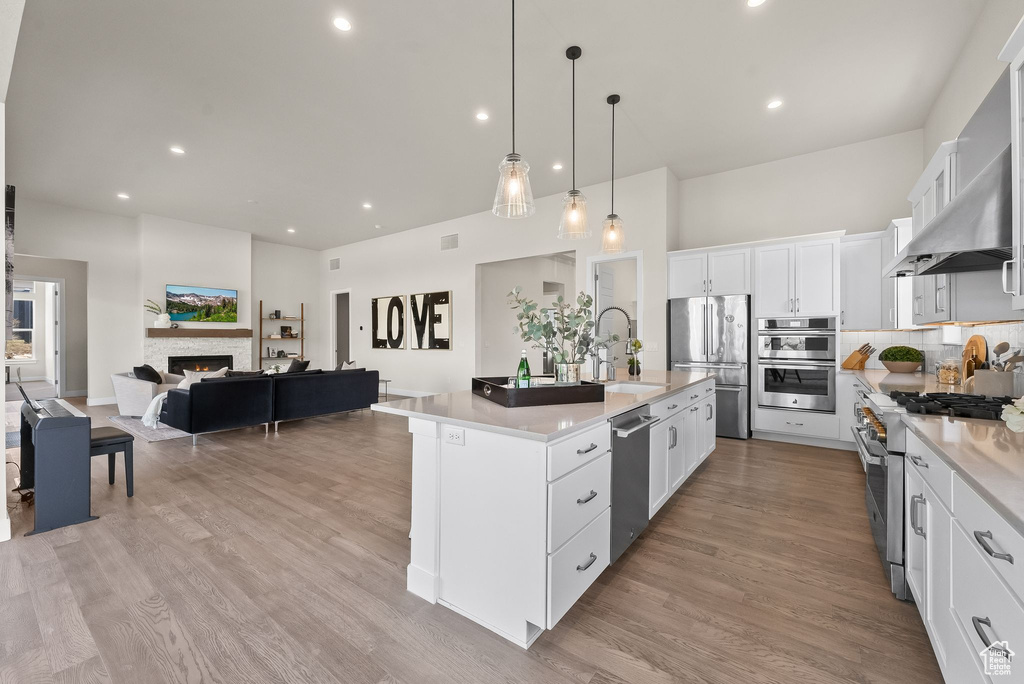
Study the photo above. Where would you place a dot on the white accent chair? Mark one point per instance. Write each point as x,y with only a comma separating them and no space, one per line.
134,395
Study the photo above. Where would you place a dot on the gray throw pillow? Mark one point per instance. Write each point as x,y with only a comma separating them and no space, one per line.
297,366
147,373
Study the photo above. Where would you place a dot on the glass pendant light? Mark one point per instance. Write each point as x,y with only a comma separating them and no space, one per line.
612,238
574,205
514,198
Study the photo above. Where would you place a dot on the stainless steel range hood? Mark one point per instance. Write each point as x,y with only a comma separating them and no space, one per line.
974,231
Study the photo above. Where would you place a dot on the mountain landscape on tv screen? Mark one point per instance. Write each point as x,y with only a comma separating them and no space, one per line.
207,306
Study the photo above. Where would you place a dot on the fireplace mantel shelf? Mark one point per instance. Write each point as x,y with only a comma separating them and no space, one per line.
198,332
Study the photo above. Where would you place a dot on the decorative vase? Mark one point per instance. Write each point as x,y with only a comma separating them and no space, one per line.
568,372
162,321
634,368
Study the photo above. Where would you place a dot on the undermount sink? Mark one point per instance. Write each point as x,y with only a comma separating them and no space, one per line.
631,388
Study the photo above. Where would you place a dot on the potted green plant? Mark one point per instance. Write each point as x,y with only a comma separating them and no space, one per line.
633,348
900,359
163,320
564,330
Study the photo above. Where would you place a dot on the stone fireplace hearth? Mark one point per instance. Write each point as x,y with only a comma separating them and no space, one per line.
199,362
157,351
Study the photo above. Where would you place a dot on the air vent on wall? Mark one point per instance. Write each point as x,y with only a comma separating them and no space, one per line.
449,242
335,264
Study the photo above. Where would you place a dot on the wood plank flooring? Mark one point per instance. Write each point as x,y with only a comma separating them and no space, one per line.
282,559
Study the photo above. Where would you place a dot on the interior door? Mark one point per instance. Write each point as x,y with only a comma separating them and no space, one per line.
774,281
342,349
815,278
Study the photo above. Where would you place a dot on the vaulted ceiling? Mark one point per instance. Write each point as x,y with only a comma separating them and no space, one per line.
288,122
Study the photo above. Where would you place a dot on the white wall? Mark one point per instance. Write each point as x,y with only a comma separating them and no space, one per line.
110,246
858,188
283,277
76,335
499,351
175,252
411,262
973,74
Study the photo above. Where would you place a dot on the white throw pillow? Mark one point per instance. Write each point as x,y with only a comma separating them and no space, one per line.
348,365
192,377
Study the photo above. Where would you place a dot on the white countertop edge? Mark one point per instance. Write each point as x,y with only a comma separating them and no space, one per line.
1012,517
536,436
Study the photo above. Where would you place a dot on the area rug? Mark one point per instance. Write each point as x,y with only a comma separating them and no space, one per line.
135,426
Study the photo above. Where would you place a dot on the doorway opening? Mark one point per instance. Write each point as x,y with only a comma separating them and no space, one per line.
341,328
34,355
616,283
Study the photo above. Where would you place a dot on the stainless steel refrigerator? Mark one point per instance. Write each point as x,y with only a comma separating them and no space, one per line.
713,334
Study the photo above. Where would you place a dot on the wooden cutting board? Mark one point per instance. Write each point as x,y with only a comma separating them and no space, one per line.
979,345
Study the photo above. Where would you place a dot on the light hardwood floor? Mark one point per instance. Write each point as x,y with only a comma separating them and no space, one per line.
282,559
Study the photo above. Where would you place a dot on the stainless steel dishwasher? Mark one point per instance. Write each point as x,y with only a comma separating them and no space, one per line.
631,472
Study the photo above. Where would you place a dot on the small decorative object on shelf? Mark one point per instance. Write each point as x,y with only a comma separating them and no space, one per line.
271,352
287,333
565,332
633,348
163,320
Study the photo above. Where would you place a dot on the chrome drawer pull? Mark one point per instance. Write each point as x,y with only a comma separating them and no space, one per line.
673,407
978,622
695,396
981,537
590,497
587,450
918,461
581,568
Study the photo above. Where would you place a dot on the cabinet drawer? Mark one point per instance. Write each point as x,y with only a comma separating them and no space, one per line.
982,604
978,518
575,566
933,469
578,450
807,423
578,498
670,406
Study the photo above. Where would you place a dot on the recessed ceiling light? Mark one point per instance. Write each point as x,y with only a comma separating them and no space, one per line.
367,205
556,167
177,150
251,201
377,226
342,24
775,104
482,116
755,3
122,195
291,230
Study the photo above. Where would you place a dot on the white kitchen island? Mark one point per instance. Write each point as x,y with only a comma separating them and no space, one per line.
511,508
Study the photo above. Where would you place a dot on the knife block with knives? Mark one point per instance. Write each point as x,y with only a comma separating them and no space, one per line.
858,358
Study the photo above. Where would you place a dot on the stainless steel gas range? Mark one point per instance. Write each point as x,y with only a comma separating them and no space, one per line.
881,438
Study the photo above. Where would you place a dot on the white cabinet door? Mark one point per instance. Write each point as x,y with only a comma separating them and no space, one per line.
690,438
861,289
676,451
1013,271
816,289
708,424
687,275
660,445
914,560
729,273
937,522
774,281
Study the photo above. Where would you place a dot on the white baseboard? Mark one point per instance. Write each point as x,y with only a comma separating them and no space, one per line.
101,401
805,441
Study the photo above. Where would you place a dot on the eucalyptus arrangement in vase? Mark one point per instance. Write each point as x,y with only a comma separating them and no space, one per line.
564,330
633,349
163,320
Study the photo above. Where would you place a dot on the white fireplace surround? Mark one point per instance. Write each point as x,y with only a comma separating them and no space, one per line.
155,350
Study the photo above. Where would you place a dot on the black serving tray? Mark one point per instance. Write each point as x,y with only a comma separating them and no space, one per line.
494,389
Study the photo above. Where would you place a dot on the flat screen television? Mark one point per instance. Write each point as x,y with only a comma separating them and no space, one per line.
202,304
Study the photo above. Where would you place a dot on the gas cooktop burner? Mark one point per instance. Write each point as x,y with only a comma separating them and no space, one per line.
954,405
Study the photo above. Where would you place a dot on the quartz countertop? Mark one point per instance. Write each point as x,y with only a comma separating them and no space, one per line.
986,454
883,381
543,423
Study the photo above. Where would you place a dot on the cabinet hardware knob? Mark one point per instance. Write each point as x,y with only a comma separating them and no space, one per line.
587,450
982,539
590,561
589,497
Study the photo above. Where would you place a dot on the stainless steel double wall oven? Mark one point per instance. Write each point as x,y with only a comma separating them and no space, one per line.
797,363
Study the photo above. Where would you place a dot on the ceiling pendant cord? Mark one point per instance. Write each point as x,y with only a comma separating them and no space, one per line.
573,123
613,149
514,197
573,225
513,76
612,235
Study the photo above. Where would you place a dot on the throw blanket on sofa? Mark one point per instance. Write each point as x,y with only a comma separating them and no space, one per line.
151,418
